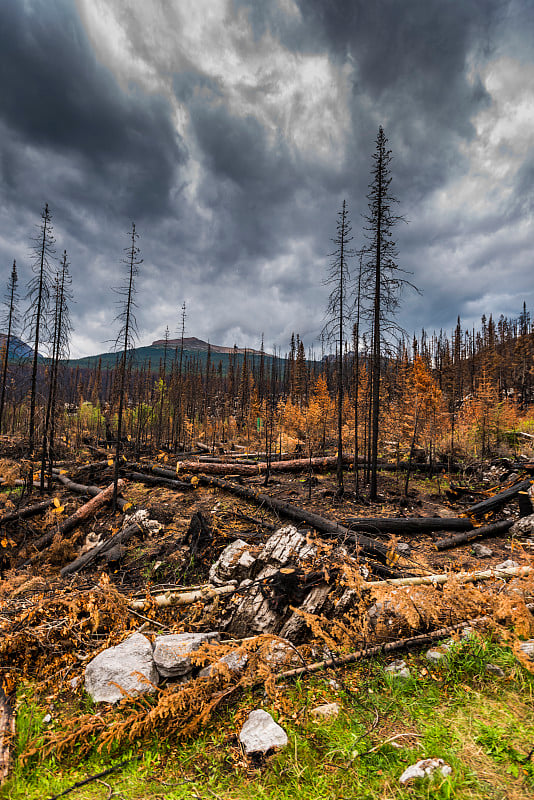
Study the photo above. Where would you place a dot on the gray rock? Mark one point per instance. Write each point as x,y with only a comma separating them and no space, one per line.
398,669
260,733
528,648
172,653
481,551
129,665
234,661
523,526
285,546
508,564
234,563
495,670
425,768
280,654
296,626
326,711
404,548
435,656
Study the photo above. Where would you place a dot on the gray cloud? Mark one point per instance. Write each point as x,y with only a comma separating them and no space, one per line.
231,131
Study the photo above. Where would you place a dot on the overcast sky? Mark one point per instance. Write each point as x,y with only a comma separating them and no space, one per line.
230,131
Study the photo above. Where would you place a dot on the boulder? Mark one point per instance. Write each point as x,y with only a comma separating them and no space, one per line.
172,653
234,563
398,669
260,733
481,551
234,661
523,526
285,546
128,667
527,648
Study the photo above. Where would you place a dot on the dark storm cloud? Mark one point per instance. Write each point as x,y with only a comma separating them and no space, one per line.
57,97
233,164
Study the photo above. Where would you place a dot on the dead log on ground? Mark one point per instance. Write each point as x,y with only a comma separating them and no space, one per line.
155,480
499,500
85,511
87,558
408,525
325,526
484,532
81,488
29,511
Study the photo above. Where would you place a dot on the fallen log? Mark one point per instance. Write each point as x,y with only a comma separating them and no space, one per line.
81,488
104,496
325,526
155,480
462,577
206,593
29,511
499,500
294,465
119,538
408,525
484,532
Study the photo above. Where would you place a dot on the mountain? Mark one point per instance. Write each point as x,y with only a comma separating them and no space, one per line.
155,353
191,343
18,350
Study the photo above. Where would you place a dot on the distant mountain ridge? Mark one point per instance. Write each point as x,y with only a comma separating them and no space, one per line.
192,343
17,348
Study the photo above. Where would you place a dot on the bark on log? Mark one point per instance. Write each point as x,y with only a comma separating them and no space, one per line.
81,488
119,538
295,465
408,525
498,500
462,577
484,532
324,526
205,594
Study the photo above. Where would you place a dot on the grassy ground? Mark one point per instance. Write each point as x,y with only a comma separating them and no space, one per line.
481,724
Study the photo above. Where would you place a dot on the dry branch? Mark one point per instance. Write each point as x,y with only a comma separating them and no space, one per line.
461,577
119,538
184,598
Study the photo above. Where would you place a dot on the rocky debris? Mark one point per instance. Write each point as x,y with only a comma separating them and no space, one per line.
423,769
234,563
234,661
398,669
326,711
523,526
141,518
261,733
404,548
172,653
527,648
128,667
481,551
295,627
495,670
286,546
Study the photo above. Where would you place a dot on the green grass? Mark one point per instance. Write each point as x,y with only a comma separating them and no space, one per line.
480,724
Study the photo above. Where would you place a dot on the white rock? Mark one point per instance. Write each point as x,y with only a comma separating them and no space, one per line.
404,548
260,733
129,665
172,653
234,563
424,768
47,718
326,711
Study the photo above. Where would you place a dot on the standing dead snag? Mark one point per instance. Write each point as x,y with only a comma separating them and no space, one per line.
125,337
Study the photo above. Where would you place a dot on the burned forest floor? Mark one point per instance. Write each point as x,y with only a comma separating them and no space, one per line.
412,616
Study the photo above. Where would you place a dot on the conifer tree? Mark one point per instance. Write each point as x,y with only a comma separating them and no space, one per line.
126,336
